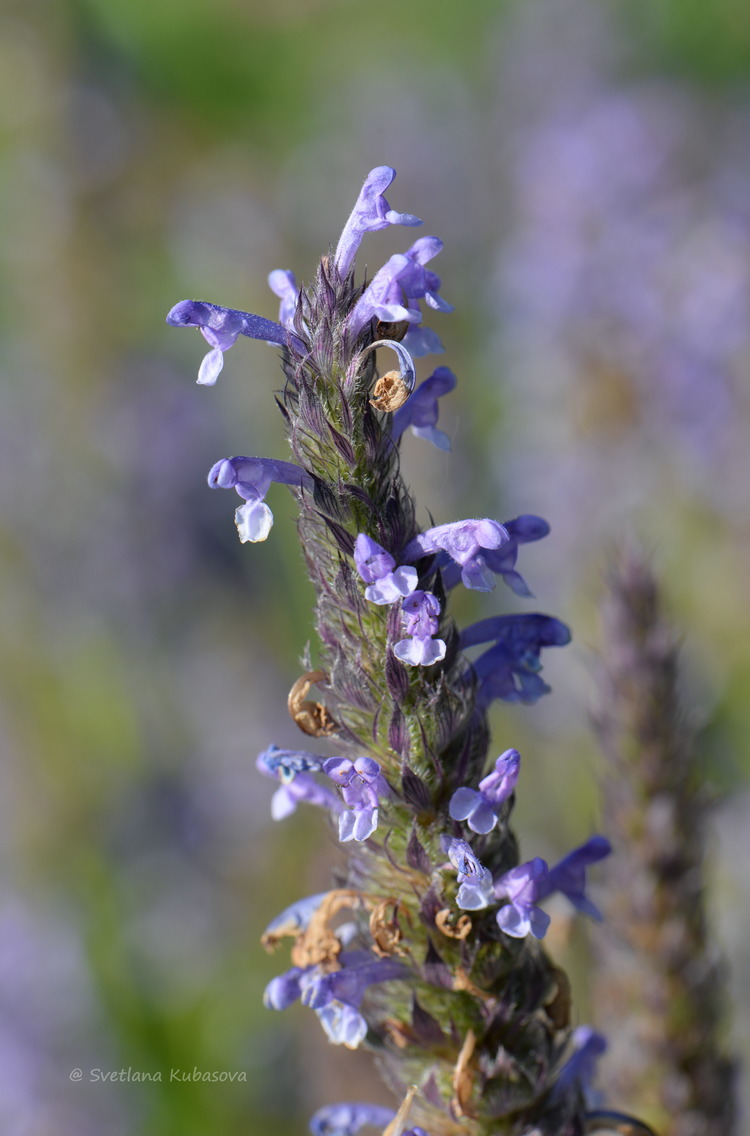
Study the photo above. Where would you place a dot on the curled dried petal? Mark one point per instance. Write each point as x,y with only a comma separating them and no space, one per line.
319,945
390,392
385,930
452,927
311,717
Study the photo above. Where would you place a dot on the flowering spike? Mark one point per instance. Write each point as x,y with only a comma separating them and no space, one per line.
436,969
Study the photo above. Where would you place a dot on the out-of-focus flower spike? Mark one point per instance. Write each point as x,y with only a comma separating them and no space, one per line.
283,284
420,411
371,212
220,328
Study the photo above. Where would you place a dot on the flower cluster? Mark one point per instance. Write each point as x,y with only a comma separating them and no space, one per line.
435,963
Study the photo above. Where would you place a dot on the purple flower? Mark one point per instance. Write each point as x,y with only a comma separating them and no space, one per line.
252,478
476,889
420,341
396,289
284,285
371,212
569,876
510,669
383,297
464,541
420,283
348,1118
377,568
502,561
520,917
420,411
462,857
336,996
284,990
589,1045
220,328
362,785
292,767
286,764
420,611
479,808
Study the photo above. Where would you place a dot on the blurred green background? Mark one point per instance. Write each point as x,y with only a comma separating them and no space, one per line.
588,166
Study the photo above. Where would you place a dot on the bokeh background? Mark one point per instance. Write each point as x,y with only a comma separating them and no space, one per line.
587,163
